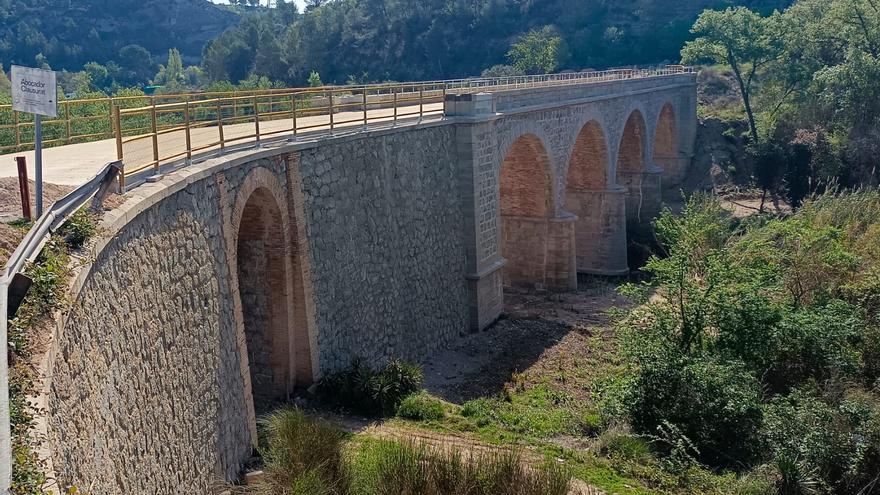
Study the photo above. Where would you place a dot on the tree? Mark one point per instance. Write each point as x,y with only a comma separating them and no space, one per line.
315,80
740,39
5,85
136,64
540,51
502,71
171,74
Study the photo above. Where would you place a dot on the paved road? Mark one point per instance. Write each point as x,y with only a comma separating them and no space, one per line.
74,164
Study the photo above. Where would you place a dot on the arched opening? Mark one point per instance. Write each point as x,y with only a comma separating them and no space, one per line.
589,159
631,156
263,291
666,153
525,202
600,228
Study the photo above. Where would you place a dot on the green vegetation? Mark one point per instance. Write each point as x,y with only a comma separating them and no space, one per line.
308,457
758,348
369,391
49,274
806,80
421,407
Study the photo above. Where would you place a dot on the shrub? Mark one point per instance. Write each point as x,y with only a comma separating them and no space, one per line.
79,228
819,444
301,455
393,468
369,391
715,405
421,407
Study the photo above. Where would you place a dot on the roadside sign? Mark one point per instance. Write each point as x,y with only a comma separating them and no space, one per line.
34,91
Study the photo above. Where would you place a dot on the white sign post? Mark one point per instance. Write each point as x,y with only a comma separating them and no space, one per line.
34,91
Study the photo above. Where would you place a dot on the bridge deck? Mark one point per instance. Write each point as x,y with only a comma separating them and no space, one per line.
76,163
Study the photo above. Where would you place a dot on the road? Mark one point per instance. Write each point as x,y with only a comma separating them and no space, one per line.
75,164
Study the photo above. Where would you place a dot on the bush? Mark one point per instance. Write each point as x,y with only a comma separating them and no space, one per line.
369,391
421,407
301,455
715,405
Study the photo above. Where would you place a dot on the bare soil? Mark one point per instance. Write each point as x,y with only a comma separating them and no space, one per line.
538,336
10,197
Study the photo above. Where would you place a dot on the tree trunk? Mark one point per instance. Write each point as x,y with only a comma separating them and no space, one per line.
734,64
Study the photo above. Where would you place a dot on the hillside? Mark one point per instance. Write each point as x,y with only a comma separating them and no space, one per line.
376,40
70,33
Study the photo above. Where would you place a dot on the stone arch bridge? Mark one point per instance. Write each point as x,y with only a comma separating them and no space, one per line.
222,287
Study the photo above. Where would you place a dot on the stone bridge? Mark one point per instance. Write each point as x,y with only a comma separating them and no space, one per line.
218,290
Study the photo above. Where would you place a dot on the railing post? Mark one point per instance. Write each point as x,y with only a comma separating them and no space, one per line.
110,106
443,101
116,118
15,122
155,131
186,119
365,106
67,118
220,123
331,110
421,102
257,117
293,110
394,90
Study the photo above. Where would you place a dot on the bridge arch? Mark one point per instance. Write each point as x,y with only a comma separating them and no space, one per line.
631,151
666,149
537,246
600,228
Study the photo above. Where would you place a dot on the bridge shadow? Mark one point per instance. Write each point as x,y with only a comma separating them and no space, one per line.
533,336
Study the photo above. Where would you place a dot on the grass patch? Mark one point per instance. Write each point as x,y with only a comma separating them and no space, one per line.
421,407
307,457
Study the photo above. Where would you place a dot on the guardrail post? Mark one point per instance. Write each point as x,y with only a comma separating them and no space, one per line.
24,188
257,118
394,90
186,120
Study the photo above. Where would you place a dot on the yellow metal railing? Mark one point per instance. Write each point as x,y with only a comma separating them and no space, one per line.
151,131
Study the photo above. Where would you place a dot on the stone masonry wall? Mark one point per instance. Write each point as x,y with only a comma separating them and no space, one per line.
146,391
386,245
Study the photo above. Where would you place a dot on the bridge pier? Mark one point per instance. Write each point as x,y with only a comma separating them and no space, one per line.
600,230
643,198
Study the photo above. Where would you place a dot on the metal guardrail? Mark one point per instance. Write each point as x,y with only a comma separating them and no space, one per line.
12,274
162,133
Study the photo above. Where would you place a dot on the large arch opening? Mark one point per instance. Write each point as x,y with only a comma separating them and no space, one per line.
263,292
538,248
631,156
600,228
666,153
642,183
